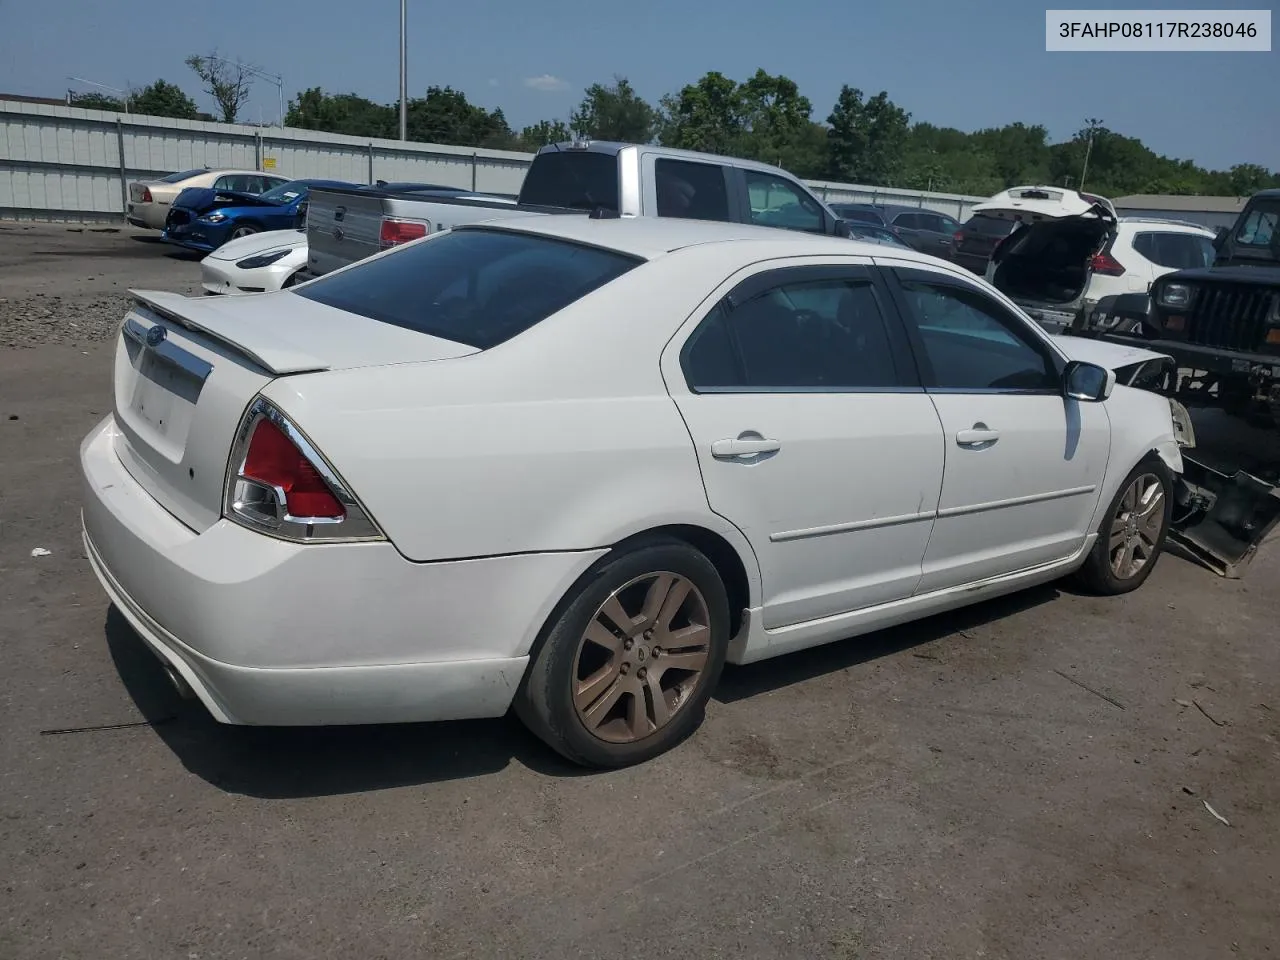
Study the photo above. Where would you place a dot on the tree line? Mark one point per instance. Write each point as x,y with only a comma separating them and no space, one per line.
865,139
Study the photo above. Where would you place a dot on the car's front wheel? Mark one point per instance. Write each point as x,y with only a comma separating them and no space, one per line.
628,664
1132,533
244,230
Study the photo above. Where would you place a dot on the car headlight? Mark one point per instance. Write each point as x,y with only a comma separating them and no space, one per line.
213,218
1175,295
261,260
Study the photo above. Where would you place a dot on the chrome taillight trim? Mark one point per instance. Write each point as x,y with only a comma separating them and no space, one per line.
356,526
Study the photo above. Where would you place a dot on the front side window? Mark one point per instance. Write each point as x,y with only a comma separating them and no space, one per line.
695,191
778,202
478,287
972,343
1260,226
816,335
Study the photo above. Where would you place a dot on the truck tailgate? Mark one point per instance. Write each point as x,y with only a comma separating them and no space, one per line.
341,228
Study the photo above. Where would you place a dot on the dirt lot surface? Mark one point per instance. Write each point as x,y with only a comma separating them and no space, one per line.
1030,778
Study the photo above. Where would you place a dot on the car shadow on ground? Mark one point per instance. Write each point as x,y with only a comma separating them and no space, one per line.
293,762
740,683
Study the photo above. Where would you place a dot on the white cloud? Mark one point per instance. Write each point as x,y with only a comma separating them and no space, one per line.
547,83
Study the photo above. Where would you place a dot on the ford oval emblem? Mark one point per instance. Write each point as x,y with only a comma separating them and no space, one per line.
156,335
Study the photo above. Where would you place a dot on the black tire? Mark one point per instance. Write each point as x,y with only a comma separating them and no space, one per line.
1097,574
545,701
242,230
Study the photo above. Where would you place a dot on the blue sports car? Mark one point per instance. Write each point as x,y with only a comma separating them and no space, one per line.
204,219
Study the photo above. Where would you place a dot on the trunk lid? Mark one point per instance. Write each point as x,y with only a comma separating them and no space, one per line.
1033,204
187,368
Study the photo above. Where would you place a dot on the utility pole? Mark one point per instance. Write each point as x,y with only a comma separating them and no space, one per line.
404,86
1093,123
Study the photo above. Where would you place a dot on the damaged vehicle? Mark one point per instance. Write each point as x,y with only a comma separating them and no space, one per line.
1046,263
1220,517
204,218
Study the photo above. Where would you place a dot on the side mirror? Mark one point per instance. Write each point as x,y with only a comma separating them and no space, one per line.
842,229
1219,235
1087,382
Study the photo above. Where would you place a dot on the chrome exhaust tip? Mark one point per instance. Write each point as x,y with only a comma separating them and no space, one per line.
179,684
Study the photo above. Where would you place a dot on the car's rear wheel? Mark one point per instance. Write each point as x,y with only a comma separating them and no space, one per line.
1132,533
631,658
244,230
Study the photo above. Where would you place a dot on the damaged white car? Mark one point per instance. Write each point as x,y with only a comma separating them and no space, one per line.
575,465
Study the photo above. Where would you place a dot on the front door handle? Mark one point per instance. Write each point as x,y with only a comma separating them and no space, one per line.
743,447
979,433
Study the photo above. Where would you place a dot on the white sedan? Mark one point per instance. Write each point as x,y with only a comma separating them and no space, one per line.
259,263
574,465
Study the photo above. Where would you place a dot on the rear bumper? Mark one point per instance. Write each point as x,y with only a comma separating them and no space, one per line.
272,633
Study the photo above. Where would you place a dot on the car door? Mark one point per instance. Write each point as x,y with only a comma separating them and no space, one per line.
1023,462
813,434
941,231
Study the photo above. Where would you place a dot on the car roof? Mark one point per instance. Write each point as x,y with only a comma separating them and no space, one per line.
653,237
1167,226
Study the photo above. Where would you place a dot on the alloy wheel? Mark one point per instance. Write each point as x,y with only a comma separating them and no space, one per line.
641,657
1136,526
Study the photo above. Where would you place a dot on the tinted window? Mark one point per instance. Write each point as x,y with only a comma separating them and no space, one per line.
1176,250
286,192
944,224
1260,226
912,221
582,179
862,216
695,191
988,226
825,334
973,343
478,287
778,202
184,175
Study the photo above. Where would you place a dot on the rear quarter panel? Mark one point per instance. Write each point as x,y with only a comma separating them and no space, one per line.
564,438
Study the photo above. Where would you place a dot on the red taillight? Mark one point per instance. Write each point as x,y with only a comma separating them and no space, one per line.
958,236
273,459
401,231
1106,265
146,194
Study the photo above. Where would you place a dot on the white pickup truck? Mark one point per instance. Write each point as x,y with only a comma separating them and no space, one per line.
582,177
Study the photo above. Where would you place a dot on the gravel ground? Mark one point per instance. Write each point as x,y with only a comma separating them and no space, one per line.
1028,778
69,284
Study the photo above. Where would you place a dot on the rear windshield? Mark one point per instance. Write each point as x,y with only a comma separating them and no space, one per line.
989,226
478,287
179,177
582,179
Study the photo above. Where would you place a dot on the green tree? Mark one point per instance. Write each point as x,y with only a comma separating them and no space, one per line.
445,115
615,112
346,113
97,101
544,132
1249,178
775,122
228,83
161,99
707,115
866,140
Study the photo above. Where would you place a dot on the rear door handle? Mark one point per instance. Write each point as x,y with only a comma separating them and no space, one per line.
977,434
743,447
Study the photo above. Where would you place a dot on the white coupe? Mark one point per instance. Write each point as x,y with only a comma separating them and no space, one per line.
574,465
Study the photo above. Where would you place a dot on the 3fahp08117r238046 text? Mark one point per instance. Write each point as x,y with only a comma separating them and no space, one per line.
1193,30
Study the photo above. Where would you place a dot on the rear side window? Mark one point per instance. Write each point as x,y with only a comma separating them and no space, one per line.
862,216
989,226
179,177
583,179
695,191
478,287
1179,251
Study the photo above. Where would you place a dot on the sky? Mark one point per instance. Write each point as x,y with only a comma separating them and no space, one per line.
948,62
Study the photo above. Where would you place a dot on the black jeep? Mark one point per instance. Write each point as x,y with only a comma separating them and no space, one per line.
1223,321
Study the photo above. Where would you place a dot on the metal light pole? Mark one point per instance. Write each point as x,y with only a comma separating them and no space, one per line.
276,78
124,94
404,86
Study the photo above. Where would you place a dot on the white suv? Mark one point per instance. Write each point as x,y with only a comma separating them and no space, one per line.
1070,250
